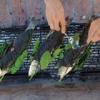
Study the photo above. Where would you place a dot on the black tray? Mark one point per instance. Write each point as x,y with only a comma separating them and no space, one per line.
92,65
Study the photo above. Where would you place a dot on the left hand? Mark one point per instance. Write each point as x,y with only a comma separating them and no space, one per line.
94,31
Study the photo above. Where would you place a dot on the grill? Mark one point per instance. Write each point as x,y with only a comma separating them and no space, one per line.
92,65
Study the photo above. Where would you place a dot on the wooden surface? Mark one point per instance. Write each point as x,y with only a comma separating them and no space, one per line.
20,88
16,12
49,91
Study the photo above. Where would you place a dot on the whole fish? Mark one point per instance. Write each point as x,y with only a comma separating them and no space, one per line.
67,63
52,42
18,46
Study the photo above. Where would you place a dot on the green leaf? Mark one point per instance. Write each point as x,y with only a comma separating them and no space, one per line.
68,46
76,37
34,50
1,78
12,69
45,60
18,63
61,56
36,47
30,59
3,48
57,53
79,63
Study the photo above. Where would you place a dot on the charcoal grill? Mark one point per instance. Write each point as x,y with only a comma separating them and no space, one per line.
91,67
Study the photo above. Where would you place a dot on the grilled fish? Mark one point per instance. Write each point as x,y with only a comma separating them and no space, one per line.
52,42
18,46
67,63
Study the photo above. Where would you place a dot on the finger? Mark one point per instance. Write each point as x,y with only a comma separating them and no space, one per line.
56,25
94,32
62,23
63,27
96,37
93,29
50,21
90,34
61,19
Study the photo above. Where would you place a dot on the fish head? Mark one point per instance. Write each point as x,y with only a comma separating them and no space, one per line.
63,71
3,72
34,68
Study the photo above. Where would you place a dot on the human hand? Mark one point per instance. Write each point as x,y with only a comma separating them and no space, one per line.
94,31
55,15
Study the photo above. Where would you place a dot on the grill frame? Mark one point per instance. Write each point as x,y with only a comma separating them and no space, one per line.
84,74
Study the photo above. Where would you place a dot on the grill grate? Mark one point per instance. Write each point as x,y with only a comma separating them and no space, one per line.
92,64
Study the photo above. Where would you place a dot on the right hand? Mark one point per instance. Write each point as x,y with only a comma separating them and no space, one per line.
55,15
94,31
